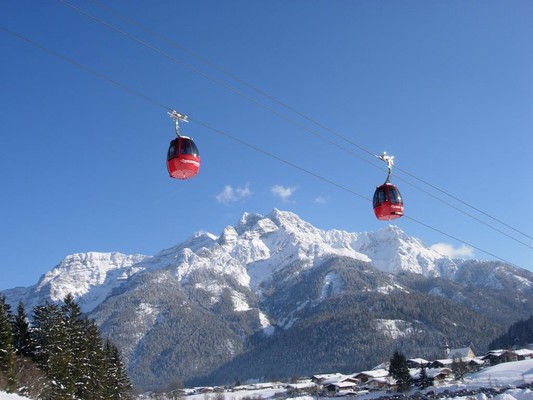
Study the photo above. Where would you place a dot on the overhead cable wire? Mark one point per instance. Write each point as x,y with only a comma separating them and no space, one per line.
466,213
222,133
84,67
456,238
210,78
161,105
228,74
288,107
469,205
285,105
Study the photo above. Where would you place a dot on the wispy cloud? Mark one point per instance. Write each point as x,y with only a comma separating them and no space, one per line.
283,192
230,195
321,200
449,251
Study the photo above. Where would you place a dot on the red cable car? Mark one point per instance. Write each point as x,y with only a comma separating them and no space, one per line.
387,202
183,157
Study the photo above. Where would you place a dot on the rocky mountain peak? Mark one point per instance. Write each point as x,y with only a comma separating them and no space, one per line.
229,236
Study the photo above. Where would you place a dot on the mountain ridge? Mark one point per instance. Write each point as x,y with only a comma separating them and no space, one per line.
218,303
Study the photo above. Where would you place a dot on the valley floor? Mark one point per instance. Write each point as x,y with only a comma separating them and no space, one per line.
506,381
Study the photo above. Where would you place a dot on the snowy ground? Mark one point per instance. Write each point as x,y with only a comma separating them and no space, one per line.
9,396
507,375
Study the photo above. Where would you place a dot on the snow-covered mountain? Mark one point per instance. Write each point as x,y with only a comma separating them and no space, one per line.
253,251
89,277
216,302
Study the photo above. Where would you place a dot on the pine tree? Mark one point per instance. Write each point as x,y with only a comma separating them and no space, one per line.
21,333
7,351
400,371
92,382
118,385
51,354
424,380
74,344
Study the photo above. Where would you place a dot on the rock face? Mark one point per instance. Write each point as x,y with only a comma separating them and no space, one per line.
273,296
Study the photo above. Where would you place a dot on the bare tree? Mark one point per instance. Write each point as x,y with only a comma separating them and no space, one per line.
459,368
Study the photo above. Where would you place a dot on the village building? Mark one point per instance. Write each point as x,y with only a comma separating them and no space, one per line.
439,376
524,354
341,386
442,363
365,376
494,357
384,383
320,379
498,356
435,376
475,364
465,352
417,363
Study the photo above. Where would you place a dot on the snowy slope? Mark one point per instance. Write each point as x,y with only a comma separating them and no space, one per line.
511,373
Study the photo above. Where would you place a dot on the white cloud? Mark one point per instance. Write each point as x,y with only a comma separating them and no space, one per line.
283,192
320,200
231,195
449,251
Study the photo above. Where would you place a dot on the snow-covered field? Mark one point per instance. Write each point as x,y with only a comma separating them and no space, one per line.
507,375
10,396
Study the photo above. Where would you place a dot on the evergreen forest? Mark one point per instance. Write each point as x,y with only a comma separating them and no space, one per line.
518,335
58,354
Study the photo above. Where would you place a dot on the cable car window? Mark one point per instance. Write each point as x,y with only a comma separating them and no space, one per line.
392,196
194,149
379,196
188,147
173,150
185,146
395,197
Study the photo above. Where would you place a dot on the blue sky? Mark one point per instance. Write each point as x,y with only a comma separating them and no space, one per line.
445,87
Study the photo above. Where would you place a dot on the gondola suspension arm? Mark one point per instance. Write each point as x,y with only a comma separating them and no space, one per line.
390,163
177,117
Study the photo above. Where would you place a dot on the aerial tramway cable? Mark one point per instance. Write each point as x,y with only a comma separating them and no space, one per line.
286,118
218,131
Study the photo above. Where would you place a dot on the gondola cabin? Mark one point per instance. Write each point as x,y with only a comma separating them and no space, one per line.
388,203
183,158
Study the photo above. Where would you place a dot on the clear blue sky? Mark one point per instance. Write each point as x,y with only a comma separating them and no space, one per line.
446,87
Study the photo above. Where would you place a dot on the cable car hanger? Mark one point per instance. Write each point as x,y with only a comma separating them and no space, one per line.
177,117
390,163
